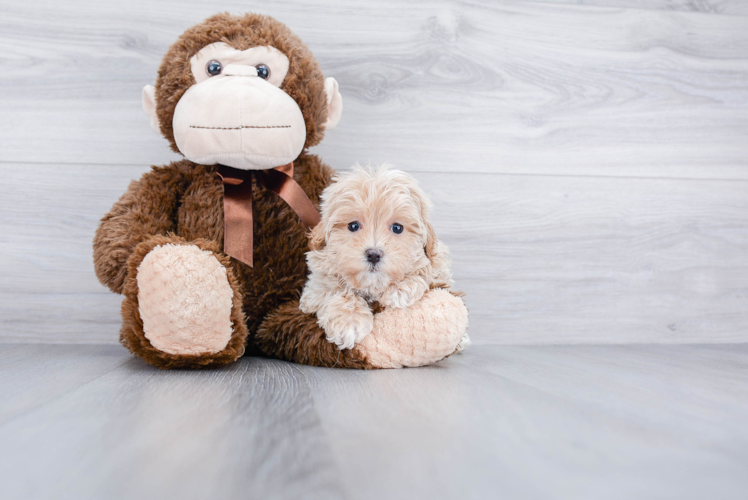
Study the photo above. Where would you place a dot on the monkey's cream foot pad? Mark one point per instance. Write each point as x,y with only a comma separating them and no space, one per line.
184,300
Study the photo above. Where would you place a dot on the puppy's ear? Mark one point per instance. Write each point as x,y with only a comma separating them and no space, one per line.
430,246
317,238
424,204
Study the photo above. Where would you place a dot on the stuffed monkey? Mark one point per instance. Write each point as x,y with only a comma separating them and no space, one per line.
209,251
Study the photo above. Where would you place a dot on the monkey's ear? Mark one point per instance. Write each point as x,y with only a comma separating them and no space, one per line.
334,103
149,106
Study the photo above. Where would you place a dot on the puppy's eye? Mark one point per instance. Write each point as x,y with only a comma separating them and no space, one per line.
263,71
213,68
354,226
396,228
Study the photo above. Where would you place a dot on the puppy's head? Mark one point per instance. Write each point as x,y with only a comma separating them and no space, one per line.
375,228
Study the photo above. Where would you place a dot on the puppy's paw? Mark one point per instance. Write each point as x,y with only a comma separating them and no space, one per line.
346,331
400,296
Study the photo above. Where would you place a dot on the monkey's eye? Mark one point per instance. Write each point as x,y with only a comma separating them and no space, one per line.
263,71
354,226
213,68
396,228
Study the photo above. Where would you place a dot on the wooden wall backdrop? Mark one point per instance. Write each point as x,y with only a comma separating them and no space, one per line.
588,159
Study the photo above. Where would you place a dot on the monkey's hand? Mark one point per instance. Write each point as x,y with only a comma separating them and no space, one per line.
429,330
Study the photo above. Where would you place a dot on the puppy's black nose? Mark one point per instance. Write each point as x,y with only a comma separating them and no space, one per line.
373,255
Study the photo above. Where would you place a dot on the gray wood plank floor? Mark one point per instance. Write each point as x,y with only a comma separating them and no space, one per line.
524,422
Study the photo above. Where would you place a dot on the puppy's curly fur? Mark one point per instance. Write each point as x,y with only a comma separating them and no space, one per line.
374,247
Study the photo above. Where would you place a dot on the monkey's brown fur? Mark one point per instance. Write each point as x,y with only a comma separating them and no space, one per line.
182,203
280,335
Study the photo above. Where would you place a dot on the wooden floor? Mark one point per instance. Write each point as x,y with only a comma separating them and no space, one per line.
578,422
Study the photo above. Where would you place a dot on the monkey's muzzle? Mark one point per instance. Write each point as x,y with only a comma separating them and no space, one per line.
239,120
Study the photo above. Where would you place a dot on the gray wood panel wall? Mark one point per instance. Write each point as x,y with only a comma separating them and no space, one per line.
588,160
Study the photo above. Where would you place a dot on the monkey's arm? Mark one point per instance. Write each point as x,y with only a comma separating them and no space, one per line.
289,334
147,208
419,335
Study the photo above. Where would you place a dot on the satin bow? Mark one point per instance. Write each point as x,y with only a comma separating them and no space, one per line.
238,241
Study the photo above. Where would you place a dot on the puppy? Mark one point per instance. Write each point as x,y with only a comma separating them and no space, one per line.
375,244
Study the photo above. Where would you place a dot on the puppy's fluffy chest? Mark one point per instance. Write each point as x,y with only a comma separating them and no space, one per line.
371,300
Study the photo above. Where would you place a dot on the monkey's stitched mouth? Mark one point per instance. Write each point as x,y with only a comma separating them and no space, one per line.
241,127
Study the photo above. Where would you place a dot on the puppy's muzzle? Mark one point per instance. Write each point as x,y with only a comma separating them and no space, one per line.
373,256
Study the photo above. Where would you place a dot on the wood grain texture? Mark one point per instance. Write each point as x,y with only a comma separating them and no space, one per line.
732,7
517,87
250,431
545,422
542,259
33,375
588,159
576,422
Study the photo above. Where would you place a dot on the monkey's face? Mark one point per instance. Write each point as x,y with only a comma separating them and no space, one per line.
229,106
236,114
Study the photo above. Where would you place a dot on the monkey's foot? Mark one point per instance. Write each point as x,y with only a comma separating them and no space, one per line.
429,330
182,309
184,299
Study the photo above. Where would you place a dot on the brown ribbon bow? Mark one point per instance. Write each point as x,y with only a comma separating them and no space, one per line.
237,205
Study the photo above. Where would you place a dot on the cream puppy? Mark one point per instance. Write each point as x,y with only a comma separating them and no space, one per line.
374,244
